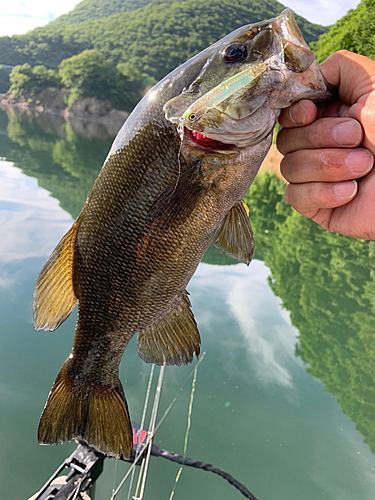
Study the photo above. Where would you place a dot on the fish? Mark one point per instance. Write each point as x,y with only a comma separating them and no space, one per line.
172,183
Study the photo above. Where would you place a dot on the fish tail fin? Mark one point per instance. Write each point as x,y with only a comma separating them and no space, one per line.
98,415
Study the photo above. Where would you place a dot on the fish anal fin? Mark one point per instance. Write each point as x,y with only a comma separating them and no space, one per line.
234,236
172,340
96,414
54,297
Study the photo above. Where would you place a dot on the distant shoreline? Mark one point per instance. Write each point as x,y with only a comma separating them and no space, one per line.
52,100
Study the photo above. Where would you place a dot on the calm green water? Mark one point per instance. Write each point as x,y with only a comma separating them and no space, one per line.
285,396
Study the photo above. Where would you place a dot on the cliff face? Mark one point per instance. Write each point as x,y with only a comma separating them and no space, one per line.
52,100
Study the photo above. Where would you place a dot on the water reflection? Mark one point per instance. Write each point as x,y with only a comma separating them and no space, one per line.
65,157
327,283
253,393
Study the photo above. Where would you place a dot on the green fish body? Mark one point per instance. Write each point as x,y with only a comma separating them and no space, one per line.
172,182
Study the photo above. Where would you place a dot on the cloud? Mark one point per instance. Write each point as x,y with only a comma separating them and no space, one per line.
269,337
18,24
323,12
266,335
31,221
20,17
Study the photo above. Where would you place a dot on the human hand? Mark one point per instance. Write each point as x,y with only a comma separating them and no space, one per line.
329,151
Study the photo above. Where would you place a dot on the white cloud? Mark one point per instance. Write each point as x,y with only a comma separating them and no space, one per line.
31,221
18,24
323,12
20,17
268,338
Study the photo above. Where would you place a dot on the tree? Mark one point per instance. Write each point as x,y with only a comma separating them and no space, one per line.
25,80
4,80
89,74
355,32
131,85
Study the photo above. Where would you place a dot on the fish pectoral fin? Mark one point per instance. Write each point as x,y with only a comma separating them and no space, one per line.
172,340
54,297
180,198
234,236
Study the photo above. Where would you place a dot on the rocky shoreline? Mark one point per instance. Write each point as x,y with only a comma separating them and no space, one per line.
52,100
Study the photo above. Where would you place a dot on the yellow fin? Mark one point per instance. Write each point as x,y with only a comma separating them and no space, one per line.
97,415
54,297
234,236
173,340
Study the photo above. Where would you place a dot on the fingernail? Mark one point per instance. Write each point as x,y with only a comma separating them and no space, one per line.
297,114
359,161
346,189
347,133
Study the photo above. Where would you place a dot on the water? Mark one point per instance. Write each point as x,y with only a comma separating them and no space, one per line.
285,396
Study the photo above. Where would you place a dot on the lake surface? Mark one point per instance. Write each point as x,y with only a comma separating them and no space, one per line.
285,395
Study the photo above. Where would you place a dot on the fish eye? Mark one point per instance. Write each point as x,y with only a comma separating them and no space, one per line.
192,117
235,53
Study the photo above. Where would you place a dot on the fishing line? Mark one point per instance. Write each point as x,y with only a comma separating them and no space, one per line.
187,430
180,131
145,405
114,477
149,438
131,468
152,428
147,395
179,393
139,479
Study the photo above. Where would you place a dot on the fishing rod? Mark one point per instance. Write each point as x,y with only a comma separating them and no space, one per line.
86,465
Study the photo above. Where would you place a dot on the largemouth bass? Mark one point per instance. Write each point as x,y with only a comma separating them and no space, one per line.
172,182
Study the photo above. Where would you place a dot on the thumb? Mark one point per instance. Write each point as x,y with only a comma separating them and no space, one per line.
353,74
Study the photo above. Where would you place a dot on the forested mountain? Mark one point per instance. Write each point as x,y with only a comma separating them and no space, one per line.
97,9
355,31
155,38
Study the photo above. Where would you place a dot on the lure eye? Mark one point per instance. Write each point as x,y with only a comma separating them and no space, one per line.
235,53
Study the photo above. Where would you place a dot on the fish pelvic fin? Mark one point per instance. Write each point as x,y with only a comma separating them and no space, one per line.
98,415
234,236
172,340
54,297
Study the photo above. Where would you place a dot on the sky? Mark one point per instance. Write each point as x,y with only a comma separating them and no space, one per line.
20,17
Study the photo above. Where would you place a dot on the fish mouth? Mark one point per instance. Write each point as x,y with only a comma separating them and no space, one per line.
207,143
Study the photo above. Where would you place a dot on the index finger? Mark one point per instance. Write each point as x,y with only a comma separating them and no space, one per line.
299,114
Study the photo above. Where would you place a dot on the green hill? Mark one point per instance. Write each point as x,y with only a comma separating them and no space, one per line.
355,31
155,38
97,9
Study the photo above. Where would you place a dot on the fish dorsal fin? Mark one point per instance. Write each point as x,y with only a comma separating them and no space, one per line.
54,297
172,340
234,236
